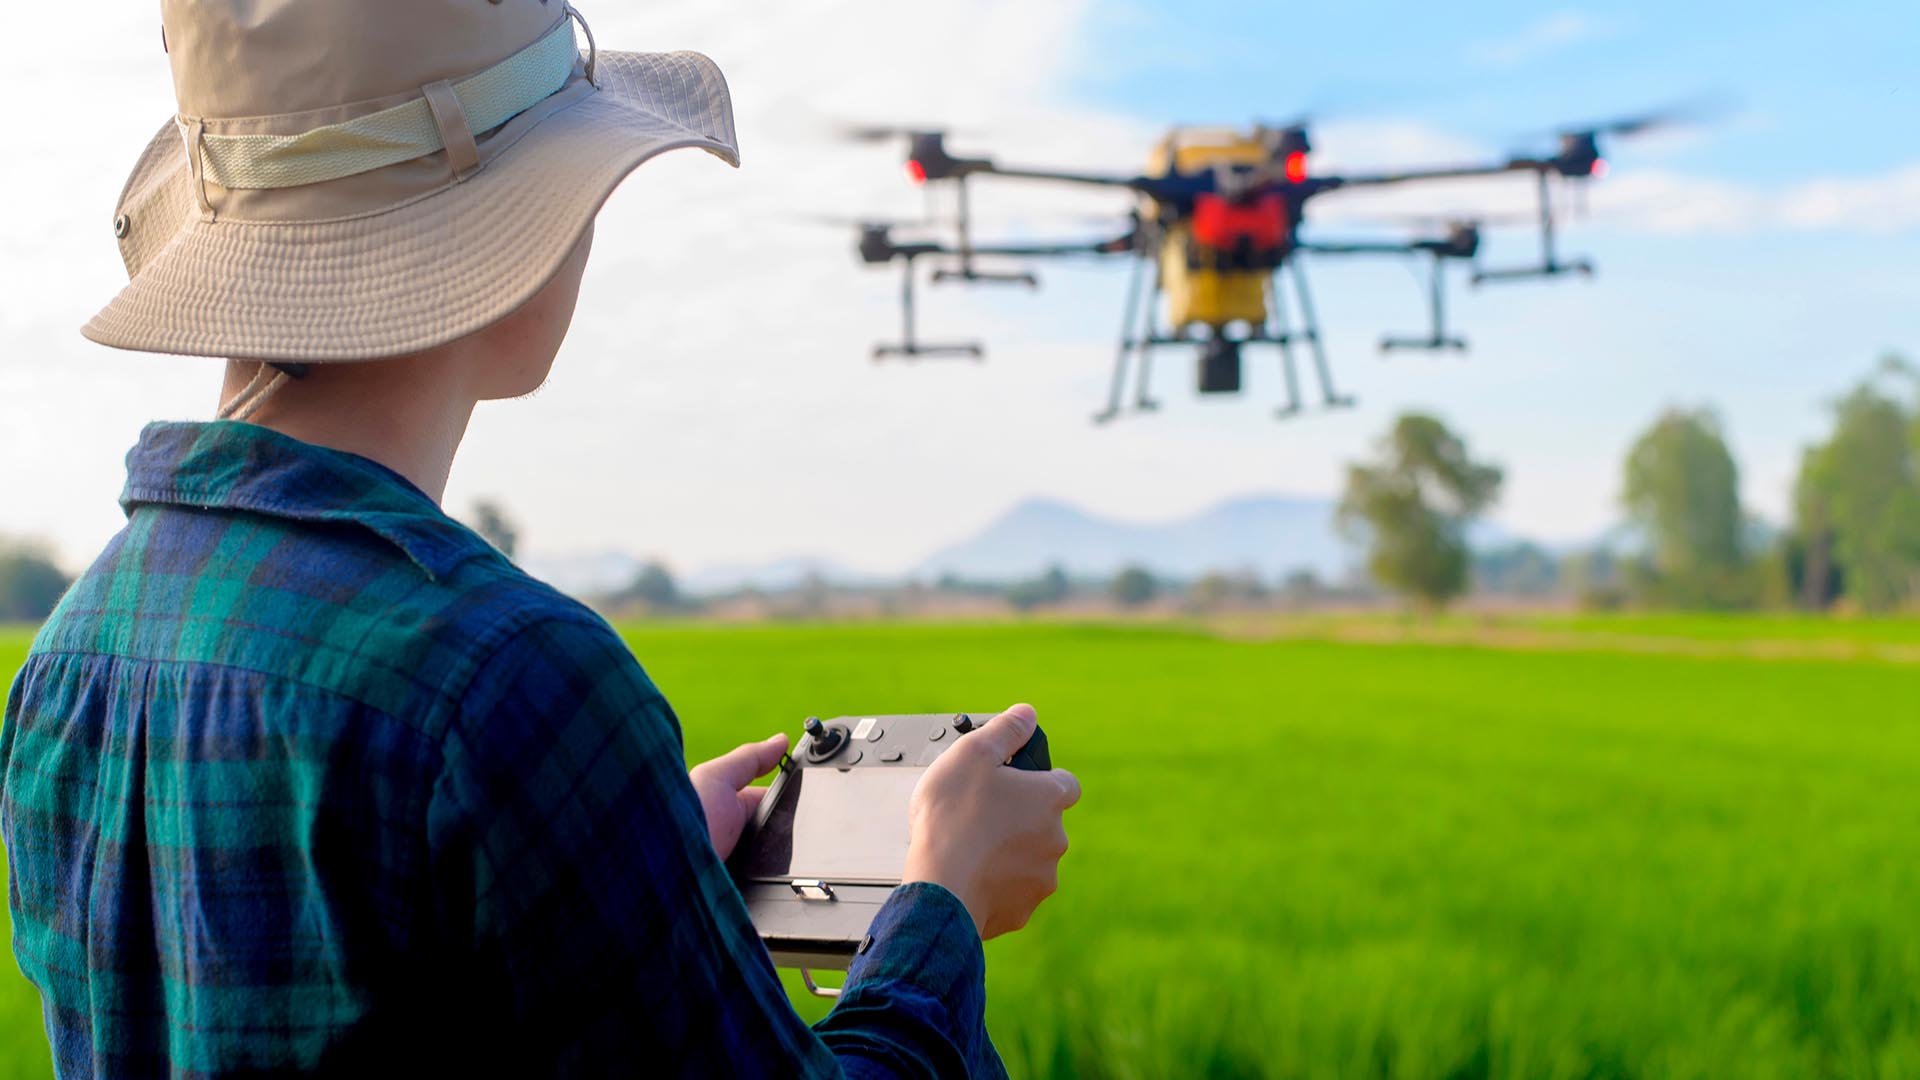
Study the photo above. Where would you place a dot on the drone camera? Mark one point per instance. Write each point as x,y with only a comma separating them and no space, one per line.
1220,367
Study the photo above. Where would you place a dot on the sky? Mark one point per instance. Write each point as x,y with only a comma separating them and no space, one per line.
714,404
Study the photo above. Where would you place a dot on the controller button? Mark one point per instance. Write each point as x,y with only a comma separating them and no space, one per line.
936,734
852,759
891,756
874,736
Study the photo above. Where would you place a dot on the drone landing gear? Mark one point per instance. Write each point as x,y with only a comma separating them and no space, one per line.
1220,362
909,346
1550,264
967,350
1436,339
1128,343
967,274
1281,333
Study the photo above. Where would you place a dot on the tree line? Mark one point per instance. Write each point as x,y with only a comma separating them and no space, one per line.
1853,540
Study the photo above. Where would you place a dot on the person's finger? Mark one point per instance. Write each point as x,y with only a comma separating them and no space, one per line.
1069,787
743,764
750,798
1005,734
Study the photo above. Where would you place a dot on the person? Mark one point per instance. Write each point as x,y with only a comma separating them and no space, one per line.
303,775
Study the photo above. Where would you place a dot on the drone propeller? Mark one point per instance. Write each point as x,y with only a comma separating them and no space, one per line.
1687,113
1126,220
879,133
873,133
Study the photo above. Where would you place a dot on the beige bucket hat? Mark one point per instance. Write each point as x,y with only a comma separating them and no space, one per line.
356,179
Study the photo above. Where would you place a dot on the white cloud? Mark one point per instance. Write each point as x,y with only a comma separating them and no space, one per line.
1541,38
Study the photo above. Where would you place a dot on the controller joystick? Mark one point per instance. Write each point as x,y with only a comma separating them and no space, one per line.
823,741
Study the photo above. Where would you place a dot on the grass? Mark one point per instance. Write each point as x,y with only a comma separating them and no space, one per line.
23,1045
1319,858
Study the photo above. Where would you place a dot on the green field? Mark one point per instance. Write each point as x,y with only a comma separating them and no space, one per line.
1308,858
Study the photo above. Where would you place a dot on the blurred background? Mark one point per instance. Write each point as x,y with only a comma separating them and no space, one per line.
1547,714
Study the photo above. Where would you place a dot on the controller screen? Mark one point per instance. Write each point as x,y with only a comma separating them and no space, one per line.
837,825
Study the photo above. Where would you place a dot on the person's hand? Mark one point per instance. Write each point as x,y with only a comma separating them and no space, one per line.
993,836
725,796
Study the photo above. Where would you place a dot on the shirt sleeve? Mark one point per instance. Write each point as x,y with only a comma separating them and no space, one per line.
600,931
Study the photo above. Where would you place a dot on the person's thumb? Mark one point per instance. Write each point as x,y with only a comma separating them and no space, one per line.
743,764
1005,734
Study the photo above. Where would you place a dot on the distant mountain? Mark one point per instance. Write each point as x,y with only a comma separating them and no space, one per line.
1271,534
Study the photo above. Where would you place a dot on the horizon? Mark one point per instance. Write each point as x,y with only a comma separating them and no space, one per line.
566,569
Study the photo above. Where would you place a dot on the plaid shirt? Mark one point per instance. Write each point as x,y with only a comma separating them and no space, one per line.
303,775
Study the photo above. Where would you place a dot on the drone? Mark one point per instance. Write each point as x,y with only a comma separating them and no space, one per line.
1215,243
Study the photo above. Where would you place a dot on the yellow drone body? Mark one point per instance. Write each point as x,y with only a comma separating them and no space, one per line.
1205,283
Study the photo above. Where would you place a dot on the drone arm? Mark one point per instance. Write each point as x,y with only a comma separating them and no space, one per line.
1118,246
1453,172
1062,177
1362,247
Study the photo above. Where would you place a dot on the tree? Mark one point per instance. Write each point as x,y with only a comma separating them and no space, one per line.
1049,588
30,583
1517,569
1595,576
652,586
1216,589
1412,505
491,521
1134,586
1302,586
1682,489
1857,501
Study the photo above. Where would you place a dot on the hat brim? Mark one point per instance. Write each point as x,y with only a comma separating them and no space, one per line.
424,273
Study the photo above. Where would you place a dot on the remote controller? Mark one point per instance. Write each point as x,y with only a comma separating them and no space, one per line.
829,842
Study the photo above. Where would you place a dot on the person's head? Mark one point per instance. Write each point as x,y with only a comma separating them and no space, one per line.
371,197
508,358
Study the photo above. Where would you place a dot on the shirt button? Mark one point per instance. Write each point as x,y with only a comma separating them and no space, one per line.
865,944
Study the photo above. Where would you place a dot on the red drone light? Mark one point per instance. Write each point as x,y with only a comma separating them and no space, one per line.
1599,171
1296,167
916,172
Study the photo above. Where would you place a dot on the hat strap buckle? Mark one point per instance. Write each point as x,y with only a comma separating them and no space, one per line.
593,50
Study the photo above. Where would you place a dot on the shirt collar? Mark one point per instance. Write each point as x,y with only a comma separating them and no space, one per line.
228,465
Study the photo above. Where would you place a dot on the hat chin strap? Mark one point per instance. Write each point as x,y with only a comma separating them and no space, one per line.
258,390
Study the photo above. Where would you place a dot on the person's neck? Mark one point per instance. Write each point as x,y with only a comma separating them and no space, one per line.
408,414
